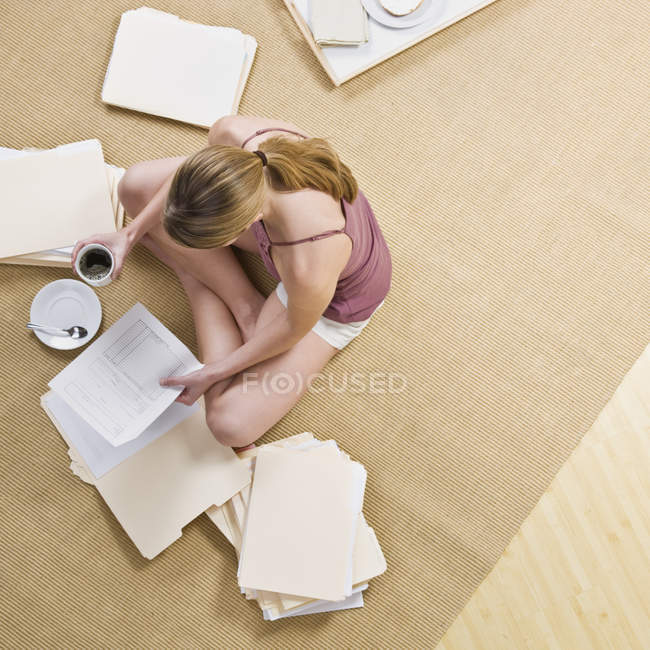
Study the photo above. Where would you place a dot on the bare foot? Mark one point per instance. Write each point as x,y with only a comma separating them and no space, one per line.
238,449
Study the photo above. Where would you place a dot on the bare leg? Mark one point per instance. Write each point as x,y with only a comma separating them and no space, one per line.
261,395
217,268
216,331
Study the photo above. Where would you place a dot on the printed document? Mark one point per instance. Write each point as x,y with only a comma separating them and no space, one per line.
114,384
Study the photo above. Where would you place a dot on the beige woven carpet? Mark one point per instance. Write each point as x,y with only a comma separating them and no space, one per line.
507,161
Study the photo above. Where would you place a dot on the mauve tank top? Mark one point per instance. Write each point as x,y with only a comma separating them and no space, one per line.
365,280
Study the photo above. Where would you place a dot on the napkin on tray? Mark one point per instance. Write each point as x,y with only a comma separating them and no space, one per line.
339,22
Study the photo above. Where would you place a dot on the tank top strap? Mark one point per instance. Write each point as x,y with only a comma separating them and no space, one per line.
272,128
322,235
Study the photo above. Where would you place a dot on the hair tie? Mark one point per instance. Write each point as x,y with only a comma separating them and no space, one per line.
262,156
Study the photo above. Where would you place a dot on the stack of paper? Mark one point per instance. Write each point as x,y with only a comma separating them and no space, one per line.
178,69
54,198
168,467
302,541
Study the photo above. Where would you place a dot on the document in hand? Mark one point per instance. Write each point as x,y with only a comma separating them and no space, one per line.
114,384
301,523
53,198
178,69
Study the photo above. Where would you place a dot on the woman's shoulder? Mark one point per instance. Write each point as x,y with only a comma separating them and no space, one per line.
312,260
233,130
317,266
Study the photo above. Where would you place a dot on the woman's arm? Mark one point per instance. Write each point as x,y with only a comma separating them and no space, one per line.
306,303
305,306
122,241
149,216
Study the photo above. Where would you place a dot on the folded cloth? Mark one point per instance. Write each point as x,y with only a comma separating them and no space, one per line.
339,22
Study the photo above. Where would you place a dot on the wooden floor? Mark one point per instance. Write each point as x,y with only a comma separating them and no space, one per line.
577,574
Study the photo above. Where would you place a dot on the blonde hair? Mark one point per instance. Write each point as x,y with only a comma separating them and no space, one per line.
216,193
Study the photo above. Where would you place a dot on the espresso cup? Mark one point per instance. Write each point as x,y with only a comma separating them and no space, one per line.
94,264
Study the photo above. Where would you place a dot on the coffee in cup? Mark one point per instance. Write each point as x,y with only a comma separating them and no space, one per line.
94,264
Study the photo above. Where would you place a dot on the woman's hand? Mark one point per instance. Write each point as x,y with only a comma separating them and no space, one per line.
195,384
119,243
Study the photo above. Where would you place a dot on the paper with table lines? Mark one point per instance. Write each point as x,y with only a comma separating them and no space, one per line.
114,383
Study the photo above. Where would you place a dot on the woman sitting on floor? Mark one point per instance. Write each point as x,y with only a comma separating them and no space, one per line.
264,187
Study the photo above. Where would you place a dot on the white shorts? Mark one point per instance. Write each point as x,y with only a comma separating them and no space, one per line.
335,333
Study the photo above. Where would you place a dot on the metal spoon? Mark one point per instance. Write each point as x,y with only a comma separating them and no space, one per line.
76,332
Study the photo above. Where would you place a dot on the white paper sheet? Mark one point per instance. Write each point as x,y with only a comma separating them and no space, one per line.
65,251
351,602
114,384
100,456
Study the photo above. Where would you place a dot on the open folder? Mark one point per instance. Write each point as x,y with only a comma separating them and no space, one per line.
114,383
178,69
161,487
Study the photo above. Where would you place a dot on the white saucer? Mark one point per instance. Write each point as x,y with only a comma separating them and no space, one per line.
428,10
64,303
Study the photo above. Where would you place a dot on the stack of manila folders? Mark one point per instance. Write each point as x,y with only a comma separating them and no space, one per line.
292,509
175,68
53,198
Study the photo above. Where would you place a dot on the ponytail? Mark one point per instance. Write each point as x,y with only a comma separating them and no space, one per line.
218,192
310,163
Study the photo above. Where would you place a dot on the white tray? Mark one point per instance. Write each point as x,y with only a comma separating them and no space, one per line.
345,62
